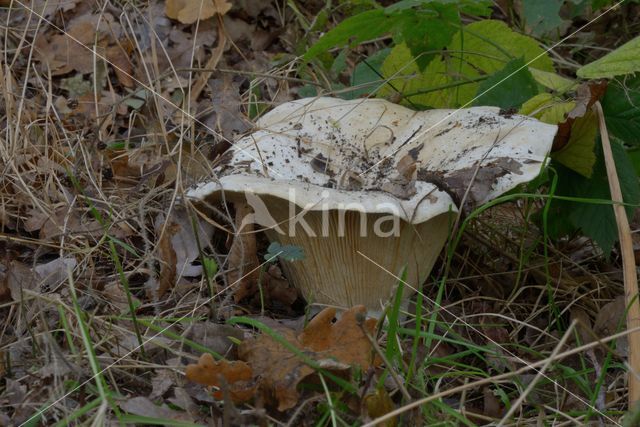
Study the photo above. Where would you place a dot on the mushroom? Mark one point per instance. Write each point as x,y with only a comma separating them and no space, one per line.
365,178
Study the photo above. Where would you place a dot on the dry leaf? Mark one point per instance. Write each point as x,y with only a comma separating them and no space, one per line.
243,259
334,346
190,11
118,57
146,408
178,248
168,259
214,336
237,375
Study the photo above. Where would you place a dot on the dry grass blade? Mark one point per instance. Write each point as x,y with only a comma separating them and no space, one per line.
628,261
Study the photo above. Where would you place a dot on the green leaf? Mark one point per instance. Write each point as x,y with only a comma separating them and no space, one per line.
547,108
578,154
542,16
470,7
507,88
621,106
623,60
427,31
286,252
352,31
367,76
595,220
553,81
210,266
451,80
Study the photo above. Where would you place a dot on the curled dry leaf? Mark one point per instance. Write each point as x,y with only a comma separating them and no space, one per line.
190,11
334,346
177,249
243,260
237,375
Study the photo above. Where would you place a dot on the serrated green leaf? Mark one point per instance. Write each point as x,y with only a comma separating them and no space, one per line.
367,77
542,16
621,106
507,88
470,7
356,29
595,220
451,80
623,60
427,31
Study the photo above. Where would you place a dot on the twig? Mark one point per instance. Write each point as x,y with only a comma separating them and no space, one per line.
628,260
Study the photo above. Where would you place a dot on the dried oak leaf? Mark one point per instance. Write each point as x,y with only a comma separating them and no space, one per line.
334,346
190,11
236,375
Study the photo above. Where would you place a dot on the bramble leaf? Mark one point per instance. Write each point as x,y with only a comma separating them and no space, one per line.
623,60
507,88
451,80
621,105
542,16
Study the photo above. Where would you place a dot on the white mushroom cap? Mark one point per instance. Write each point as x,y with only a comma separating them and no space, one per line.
328,154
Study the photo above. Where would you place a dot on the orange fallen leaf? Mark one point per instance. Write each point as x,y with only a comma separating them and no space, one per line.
190,11
334,346
237,375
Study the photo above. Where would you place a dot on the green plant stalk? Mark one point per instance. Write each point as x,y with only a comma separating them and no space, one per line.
393,354
78,413
260,290
417,330
86,339
173,335
127,291
545,231
114,255
205,270
67,330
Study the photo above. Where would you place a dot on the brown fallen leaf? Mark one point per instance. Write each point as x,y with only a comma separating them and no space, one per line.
168,260
334,346
190,11
243,259
118,57
146,408
236,375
